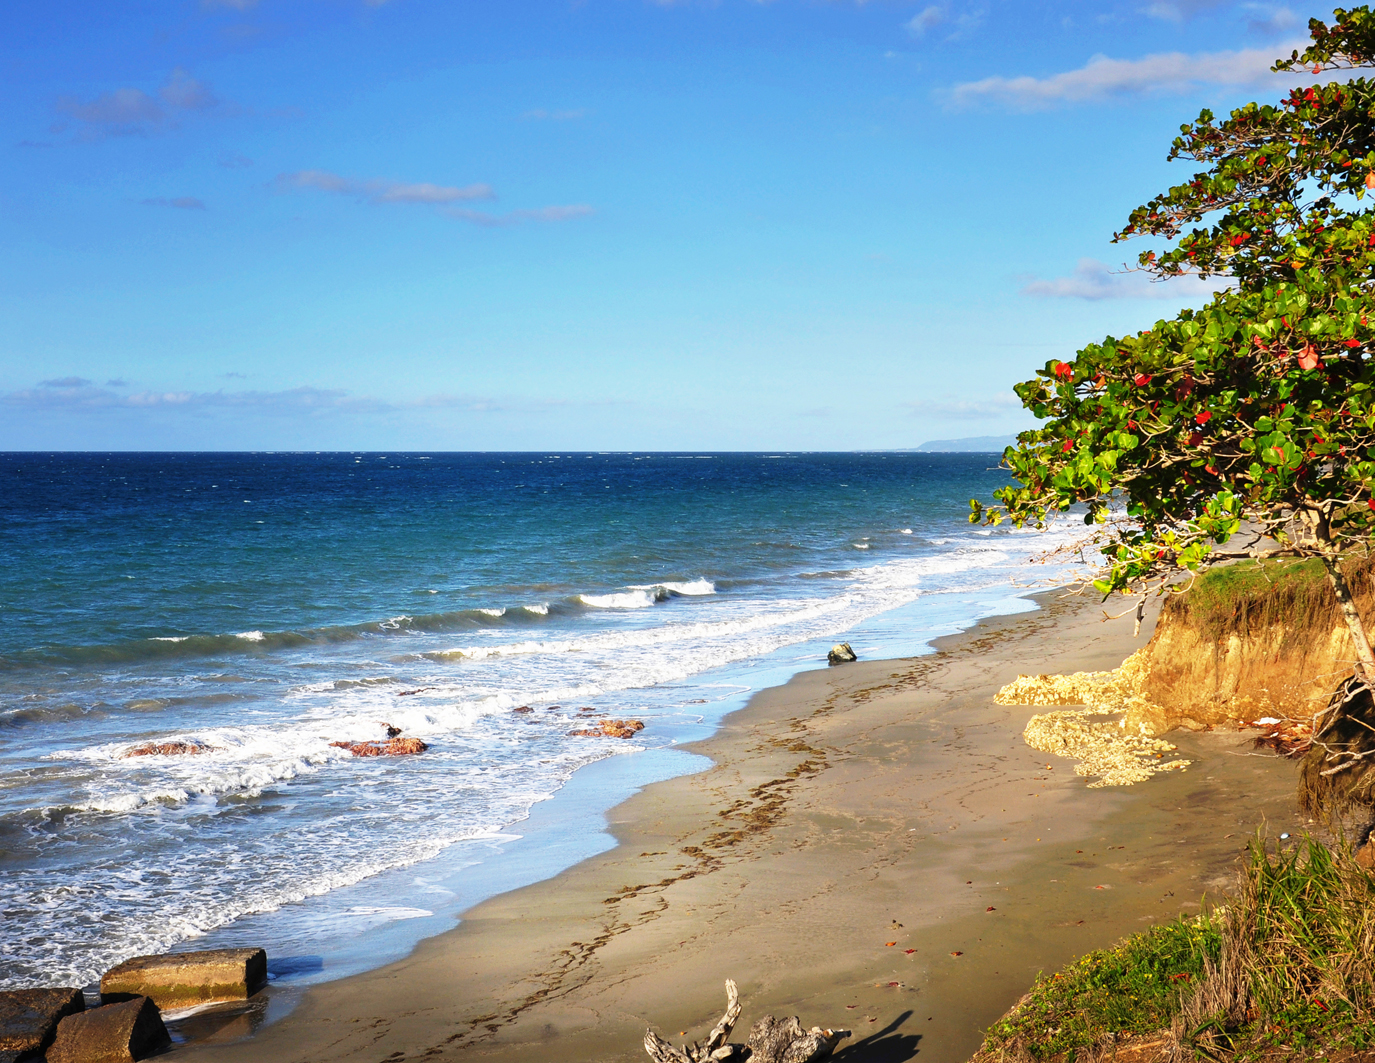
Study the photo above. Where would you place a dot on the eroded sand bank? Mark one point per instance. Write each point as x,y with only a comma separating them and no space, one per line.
887,801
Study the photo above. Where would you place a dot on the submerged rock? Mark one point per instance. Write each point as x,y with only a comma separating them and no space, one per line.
115,1033
29,1018
841,654
168,749
611,729
184,979
394,747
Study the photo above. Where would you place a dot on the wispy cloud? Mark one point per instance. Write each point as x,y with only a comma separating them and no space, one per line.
80,393
515,217
378,191
1094,281
1102,78
442,197
1270,20
131,111
926,19
80,396
180,202
539,114
952,408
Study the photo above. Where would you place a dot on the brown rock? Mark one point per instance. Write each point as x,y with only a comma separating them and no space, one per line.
115,1033
395,747
168,749
392,730
611,729
184,979
29,1018
523,708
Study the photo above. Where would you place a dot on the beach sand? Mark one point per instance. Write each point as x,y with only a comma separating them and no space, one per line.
875,849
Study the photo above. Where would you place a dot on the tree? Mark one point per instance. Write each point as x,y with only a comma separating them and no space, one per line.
1258,410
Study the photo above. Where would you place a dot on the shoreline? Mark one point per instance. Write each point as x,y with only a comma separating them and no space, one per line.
839,805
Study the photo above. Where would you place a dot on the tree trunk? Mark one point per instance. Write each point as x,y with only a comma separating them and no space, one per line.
1365,659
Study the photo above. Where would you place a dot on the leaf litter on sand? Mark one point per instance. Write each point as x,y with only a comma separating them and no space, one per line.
1104,750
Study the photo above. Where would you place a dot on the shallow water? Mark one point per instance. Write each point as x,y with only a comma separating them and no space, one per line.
264,606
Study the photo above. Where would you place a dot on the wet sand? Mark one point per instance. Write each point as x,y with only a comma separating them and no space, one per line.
875,848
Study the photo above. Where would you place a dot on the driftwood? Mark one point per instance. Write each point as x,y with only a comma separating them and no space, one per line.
771,1041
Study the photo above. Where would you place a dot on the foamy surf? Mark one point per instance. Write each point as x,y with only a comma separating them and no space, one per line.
346,628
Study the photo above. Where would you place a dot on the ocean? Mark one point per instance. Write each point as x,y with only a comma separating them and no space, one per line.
265,606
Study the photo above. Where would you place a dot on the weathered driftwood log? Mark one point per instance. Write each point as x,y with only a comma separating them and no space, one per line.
784,1041
713,1048
771,1041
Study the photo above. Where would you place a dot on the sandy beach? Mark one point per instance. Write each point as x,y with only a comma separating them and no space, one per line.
875,848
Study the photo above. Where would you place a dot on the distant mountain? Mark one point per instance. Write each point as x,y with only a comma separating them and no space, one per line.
970,445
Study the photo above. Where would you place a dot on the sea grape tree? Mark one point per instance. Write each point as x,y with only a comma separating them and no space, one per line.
1257,411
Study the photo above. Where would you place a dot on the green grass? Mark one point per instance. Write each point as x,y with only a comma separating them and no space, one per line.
1285,966
1244,595
1134,987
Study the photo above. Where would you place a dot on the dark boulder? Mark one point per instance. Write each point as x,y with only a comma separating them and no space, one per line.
29,1018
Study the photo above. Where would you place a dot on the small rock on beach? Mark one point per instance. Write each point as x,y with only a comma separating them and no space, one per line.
394,747
841,654
611,729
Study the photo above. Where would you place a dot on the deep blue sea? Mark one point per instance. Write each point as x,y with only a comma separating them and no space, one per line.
267,605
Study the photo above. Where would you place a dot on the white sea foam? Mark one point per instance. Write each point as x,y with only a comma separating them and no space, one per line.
485,768
170,638
493,612
624,600
251,636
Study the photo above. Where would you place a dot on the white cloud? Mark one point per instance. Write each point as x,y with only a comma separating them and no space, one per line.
384,191
1179,10
1103,78
1270,21
1093,280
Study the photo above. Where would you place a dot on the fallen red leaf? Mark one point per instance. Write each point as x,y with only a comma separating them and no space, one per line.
889,944
957,953
990,909
909,951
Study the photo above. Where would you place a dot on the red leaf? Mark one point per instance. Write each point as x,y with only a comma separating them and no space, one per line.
1195,439
1308,357
1353,343
1141,380
1069,445
1203,418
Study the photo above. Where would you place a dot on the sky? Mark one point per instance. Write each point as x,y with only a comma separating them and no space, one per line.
582,224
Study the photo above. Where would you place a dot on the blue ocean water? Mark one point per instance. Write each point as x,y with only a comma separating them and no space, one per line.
264,606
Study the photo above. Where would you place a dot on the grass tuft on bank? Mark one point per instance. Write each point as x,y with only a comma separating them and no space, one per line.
1250,595
1283,969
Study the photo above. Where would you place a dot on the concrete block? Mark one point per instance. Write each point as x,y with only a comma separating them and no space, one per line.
185,979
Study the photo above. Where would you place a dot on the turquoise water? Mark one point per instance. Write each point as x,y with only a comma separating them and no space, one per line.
263,606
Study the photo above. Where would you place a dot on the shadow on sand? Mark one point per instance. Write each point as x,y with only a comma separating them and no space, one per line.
883,1046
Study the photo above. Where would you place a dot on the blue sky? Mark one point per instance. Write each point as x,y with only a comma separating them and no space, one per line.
584,224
